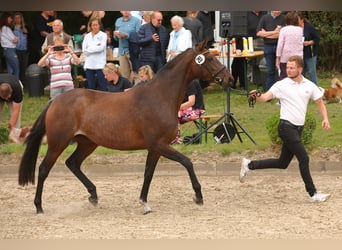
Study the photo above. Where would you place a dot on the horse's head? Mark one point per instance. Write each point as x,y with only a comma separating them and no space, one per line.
211,69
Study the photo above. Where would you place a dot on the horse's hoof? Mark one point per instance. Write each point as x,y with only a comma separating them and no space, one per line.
147,208
147,212
198,201
40,211
93,201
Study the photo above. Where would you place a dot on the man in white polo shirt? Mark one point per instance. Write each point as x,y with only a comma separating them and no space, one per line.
294,93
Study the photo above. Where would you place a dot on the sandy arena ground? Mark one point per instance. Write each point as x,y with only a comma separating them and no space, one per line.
271,204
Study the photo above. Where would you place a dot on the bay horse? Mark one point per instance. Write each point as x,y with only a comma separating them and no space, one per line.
145,117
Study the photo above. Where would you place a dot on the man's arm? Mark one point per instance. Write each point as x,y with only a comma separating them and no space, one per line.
15,114
273,34
324,113
263,97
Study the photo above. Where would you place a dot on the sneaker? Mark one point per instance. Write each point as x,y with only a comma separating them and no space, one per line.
319,197
244,169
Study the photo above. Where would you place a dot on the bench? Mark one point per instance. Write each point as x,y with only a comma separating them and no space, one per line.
202,124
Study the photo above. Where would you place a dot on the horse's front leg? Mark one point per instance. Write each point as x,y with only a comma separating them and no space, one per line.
150,166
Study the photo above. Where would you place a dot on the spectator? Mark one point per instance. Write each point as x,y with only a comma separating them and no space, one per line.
94,48
99,14
42,27
111,43
253,19
194,25
146,16
290,42
191,108
145,73
115,82
85,20
268,28
208,33
57,31
11,92
294,93
153,39
21,31
124,27
180,38
8,43
59,59
311,42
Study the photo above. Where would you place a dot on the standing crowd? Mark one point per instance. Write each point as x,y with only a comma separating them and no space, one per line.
144,46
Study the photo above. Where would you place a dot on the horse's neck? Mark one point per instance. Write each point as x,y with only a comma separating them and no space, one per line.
177,79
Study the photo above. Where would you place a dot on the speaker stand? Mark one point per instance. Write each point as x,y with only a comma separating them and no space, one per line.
227,116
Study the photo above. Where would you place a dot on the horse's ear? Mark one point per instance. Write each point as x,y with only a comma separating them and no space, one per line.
202,45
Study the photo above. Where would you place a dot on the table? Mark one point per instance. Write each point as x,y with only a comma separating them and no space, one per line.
247,57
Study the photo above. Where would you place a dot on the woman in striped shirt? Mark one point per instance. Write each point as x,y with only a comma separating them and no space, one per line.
59,59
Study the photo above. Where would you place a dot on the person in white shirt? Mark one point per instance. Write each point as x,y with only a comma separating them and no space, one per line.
294,93
180,38
94,48
8,43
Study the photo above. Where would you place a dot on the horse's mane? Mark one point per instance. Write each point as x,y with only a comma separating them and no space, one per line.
175,60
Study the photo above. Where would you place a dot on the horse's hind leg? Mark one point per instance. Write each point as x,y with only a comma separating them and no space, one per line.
151,163
84,148
170,153
44,170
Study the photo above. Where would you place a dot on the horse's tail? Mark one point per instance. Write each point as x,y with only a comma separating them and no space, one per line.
29,159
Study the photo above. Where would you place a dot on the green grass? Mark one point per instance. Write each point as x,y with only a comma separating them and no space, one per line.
251,119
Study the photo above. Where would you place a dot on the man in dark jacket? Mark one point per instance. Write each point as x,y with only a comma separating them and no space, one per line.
153,38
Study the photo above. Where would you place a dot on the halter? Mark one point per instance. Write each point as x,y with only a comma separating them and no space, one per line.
200,60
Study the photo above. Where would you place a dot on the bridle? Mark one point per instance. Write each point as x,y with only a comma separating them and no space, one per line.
201,56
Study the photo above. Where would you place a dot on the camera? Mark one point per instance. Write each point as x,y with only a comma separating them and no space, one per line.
58,48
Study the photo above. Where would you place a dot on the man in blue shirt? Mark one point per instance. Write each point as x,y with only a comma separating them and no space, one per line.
124,26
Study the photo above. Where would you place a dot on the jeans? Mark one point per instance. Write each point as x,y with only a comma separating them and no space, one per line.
12,61
310,67
292,146
23,57
270,56
90,75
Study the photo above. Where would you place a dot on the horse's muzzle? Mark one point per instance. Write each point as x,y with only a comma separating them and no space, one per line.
226,81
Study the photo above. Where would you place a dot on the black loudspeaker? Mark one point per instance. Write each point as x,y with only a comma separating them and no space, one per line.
224,133
233,23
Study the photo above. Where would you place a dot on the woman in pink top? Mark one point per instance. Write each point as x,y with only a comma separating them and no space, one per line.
290,42
59,59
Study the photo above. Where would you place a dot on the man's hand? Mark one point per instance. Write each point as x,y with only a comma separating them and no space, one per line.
252,95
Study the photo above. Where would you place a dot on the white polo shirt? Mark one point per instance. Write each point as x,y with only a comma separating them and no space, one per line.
94,49
294,98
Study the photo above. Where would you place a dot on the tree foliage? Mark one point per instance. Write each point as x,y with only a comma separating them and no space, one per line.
329,25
